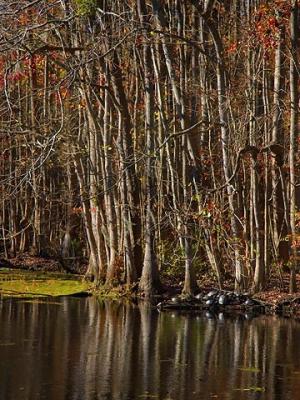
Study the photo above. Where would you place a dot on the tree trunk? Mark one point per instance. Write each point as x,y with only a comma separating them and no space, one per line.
149,282
294,100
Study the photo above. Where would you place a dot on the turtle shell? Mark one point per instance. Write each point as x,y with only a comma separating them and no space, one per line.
223,300
210,302
250,302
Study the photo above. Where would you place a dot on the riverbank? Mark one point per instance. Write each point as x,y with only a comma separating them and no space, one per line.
28,276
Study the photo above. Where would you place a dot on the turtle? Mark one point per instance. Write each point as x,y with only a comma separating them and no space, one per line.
211,295
210,302
250,302
223,300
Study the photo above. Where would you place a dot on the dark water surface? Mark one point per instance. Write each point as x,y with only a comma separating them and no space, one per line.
86,350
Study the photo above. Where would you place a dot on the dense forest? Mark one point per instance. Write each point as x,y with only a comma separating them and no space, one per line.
152,137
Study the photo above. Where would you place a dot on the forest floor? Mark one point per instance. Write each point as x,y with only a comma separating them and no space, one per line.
277,290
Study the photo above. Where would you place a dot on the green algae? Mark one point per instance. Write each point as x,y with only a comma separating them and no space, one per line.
25,284
37,284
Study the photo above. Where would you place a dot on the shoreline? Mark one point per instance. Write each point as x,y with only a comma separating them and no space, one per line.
289,306
275,300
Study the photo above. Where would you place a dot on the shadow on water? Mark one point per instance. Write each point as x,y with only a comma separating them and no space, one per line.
83,349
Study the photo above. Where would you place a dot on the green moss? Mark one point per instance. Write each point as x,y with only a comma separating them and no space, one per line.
27,284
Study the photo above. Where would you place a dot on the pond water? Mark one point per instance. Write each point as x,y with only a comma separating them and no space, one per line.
85,349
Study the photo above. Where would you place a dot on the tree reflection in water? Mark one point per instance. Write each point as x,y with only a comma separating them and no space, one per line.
86,349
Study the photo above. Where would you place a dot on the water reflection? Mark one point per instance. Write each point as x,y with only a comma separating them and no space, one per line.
87,350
